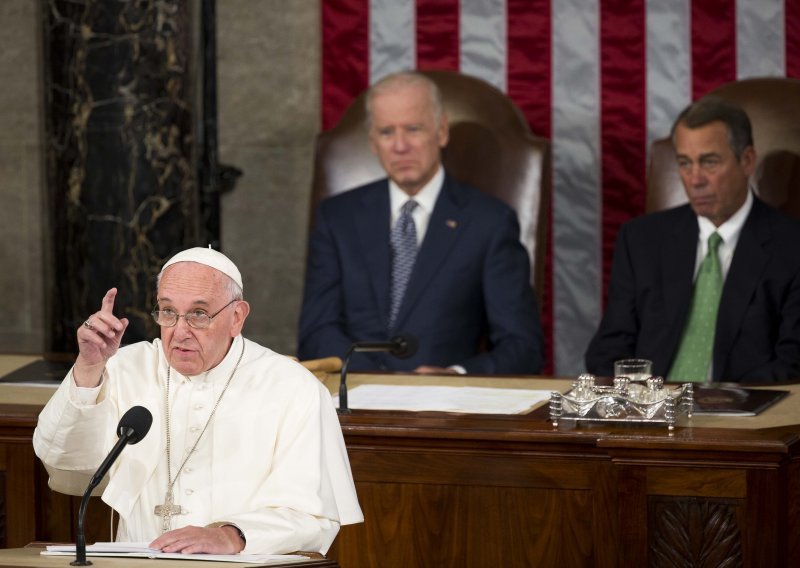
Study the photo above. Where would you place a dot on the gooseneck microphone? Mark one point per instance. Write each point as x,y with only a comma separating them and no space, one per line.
402,346
133,426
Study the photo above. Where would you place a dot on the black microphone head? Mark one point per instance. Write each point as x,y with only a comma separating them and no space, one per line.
135,424
405,345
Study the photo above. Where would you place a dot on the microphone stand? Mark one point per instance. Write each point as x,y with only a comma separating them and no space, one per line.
133,426
343,409
80,539
401,346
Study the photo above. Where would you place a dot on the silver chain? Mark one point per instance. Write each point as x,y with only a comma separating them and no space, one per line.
171,482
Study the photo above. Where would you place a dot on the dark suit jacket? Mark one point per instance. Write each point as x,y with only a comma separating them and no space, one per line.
470,284
758,323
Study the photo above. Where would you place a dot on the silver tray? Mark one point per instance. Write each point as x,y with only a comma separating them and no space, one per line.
627,401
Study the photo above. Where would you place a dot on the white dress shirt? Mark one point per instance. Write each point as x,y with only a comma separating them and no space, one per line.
425,198
729,231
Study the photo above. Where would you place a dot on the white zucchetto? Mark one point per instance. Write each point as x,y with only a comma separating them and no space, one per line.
208,257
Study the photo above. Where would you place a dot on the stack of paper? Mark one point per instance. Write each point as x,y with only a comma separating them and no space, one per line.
141,550
470,400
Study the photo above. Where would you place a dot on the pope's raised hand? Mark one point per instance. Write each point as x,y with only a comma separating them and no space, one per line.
99,338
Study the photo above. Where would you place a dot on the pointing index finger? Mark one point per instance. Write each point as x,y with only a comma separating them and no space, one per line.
108,301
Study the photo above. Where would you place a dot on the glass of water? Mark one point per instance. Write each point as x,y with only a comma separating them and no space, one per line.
637,370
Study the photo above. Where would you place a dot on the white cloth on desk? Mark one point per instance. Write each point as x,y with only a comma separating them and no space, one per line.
274,448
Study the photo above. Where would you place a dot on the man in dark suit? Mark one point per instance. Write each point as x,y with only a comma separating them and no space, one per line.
448,268
755,321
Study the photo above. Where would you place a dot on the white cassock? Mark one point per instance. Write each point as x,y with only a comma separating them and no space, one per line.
272,461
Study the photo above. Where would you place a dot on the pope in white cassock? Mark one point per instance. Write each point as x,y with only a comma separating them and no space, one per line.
245,452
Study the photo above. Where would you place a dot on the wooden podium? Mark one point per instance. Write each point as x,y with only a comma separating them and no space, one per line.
489,490
31,557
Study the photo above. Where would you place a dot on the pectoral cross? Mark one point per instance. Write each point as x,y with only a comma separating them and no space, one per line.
167,510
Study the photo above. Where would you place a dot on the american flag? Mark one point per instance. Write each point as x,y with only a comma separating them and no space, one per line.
601,80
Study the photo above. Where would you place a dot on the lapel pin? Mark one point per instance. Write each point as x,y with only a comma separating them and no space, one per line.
451,224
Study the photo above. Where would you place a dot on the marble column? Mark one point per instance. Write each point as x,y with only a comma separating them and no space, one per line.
121,158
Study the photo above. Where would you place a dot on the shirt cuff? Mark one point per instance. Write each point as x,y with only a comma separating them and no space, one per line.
220,524
83,396
458,369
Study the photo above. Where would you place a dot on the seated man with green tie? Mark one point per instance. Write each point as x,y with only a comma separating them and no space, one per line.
709,291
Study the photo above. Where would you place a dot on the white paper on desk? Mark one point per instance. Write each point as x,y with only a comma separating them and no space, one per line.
471,400
141,550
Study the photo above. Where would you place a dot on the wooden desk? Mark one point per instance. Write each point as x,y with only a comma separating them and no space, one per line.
31,557
476,491
450,490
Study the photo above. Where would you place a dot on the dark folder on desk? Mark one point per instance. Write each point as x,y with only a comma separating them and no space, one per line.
734,401
44,371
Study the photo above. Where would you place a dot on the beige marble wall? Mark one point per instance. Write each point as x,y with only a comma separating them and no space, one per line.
268,73
21,215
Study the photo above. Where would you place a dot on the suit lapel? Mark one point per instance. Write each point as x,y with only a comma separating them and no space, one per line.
448,222
677,271
749,261
372,225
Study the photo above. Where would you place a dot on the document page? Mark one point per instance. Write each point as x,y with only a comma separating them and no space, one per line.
141,550
471,400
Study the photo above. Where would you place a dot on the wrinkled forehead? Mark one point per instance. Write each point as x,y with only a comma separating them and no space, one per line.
408,103
709,138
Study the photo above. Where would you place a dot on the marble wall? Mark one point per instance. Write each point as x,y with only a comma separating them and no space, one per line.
268,73
22,314
268,78
122,184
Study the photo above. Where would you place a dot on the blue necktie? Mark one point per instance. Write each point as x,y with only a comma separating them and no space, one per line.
403,241
694,353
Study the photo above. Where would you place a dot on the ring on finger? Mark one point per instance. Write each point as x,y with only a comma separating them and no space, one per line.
88,324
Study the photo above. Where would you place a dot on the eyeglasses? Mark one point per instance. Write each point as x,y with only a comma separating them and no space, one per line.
198,319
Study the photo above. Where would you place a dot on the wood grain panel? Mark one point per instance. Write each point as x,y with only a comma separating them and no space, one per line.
605,521
793,508
21,516
456,466
457,526
696,482
3,523
765,517
632,515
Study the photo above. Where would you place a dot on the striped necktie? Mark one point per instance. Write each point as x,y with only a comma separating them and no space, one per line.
403,240
695,351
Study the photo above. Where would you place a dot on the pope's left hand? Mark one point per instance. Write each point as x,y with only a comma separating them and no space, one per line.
200,540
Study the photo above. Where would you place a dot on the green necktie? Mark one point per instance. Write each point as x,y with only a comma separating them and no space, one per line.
695,350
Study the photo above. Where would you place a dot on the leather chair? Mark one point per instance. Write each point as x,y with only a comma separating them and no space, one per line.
491,147
773,105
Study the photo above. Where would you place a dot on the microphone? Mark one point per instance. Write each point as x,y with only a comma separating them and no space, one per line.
133,426
402,346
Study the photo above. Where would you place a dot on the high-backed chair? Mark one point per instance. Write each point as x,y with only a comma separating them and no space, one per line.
491,147
773,105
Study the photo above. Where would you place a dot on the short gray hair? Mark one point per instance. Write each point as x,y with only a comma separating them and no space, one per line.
403,79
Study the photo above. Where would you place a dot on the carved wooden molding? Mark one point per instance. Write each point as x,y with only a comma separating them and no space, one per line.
688,531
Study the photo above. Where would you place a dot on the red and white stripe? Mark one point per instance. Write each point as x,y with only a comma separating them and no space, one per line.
601,80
